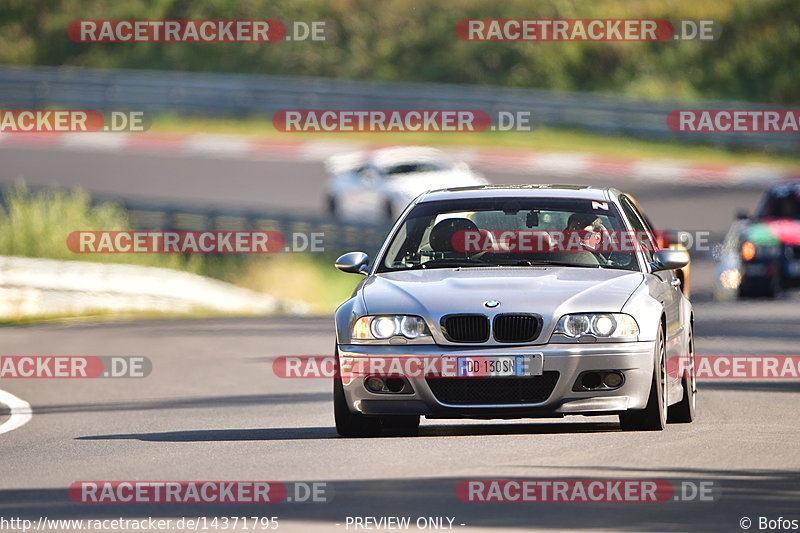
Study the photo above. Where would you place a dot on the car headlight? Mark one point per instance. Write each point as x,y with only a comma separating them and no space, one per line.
382,327
602,326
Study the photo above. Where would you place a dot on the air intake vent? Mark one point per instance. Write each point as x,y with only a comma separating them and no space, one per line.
494,391
465,328
517,328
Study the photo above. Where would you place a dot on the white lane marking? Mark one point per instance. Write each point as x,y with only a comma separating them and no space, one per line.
20,412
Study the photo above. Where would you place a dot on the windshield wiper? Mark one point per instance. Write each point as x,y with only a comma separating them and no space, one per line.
450,263
468,263
525,262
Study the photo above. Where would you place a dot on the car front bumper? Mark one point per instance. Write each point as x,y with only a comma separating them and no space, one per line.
633,359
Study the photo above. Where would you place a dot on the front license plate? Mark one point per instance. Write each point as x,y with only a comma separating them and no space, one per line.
500,366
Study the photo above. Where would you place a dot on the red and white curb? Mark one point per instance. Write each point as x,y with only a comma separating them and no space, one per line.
548,165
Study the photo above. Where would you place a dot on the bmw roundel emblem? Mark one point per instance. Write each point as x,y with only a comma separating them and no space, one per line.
491,303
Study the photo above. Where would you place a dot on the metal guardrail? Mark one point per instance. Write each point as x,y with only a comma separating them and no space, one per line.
337,237
211,94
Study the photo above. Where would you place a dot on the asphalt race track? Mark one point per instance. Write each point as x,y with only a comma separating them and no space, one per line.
297,186
212,409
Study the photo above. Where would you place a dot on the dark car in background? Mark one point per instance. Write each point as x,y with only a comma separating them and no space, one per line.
760,255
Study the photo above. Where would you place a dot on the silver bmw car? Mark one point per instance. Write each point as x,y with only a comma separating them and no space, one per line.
515,302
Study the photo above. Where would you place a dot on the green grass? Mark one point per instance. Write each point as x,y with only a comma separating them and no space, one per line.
305,277
540,139
109,316
36,224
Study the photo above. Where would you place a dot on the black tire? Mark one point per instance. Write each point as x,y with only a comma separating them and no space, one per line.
348,423
771,287
388,211
654,416
685,411
775,285
401,425
332,207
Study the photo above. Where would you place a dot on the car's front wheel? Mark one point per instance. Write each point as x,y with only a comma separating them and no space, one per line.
654,416
348,423
332,207
684,411
401,425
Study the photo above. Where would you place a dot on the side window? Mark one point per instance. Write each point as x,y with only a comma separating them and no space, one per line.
639,226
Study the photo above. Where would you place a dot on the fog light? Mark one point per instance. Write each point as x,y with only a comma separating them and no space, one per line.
374,384
395,384
591,380
613,380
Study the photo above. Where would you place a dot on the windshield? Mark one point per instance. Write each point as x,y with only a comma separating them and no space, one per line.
509,232
417,166
782,202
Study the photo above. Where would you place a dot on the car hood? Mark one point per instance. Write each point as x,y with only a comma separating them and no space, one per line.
548,291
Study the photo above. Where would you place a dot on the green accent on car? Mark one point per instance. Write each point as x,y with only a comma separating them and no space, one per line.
760,233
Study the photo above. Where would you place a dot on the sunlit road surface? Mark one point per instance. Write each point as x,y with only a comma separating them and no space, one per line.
213,410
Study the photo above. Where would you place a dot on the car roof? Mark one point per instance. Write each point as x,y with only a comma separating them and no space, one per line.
582,192
385,157
786,182
396,155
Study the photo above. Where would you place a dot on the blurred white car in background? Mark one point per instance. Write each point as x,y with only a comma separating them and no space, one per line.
378,185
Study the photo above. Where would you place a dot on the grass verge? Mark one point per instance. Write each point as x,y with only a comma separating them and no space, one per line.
36,224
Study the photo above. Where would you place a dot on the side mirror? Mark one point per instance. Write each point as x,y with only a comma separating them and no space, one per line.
742,215
669,260
353,263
